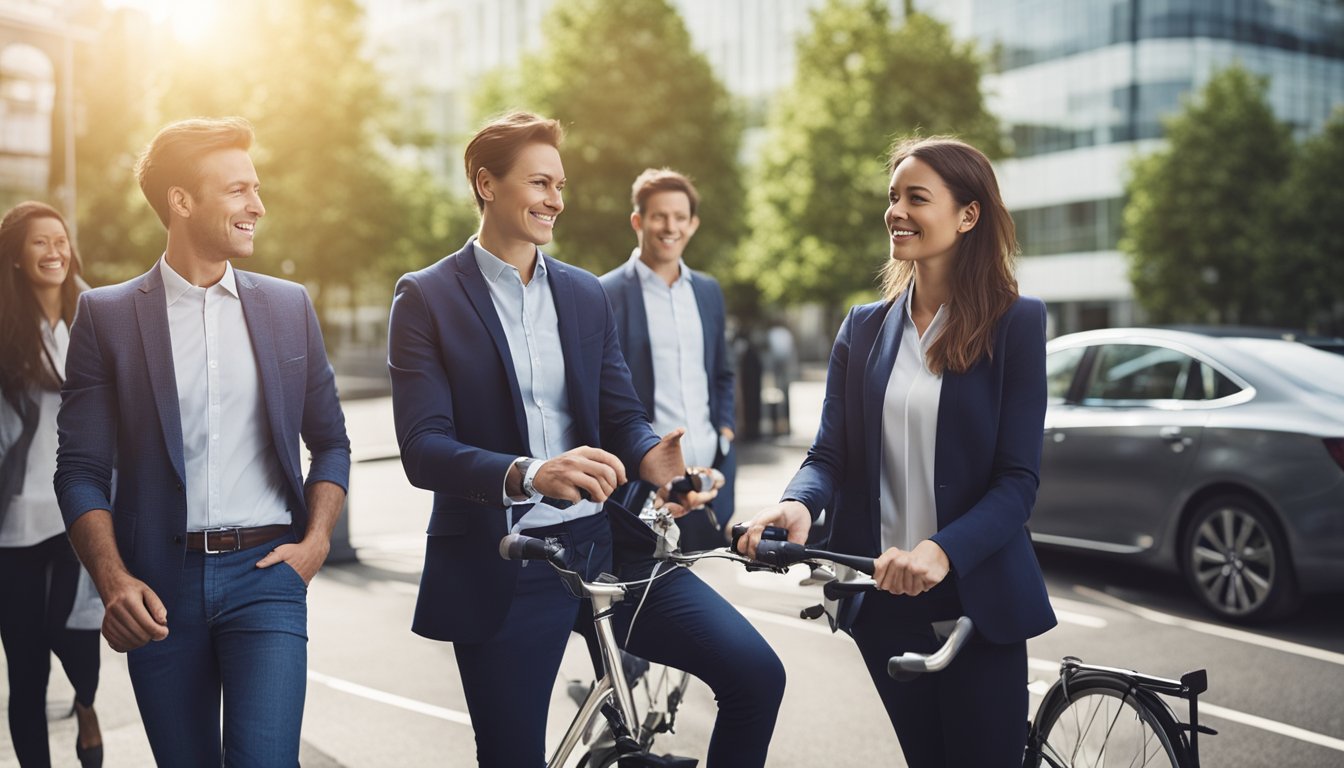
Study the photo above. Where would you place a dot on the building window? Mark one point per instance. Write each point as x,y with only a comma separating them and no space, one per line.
27,96
1081,227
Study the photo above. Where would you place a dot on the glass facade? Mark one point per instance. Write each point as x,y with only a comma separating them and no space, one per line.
1083,87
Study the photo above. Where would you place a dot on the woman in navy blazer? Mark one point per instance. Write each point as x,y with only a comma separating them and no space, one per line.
949,366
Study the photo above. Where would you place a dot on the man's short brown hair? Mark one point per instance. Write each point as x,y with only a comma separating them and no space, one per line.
655,180
173,157
496,146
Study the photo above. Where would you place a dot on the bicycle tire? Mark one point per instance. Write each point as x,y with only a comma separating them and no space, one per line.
1104,719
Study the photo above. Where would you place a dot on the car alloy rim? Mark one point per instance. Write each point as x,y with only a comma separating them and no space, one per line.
1233,560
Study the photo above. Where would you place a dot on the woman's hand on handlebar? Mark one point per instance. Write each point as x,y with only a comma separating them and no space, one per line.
789,515
911,573
582,470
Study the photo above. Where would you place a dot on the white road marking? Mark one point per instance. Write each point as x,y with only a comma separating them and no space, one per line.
1216,630
383,697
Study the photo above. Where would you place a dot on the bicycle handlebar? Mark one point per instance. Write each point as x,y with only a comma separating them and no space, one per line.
907,666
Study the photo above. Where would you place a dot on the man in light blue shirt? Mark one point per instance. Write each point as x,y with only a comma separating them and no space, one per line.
671,325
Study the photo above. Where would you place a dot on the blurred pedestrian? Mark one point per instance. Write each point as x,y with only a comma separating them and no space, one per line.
671,323
47,603
513,403
929,448
194,384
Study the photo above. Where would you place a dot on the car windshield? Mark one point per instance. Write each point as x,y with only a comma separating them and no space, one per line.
1308,368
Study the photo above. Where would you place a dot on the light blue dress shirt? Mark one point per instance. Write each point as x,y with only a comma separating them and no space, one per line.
532,330
677,344
232,469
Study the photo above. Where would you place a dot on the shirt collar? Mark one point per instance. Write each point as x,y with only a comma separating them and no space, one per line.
176,286
649,277
494,268
935,325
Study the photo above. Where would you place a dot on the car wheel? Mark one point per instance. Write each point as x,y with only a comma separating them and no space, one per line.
1236,561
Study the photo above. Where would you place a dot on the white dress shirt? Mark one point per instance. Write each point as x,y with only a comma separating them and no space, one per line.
677,345
233,474
909,437
34,516
532,329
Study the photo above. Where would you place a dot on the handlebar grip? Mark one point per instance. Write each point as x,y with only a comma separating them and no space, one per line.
771,533
780,554
837,590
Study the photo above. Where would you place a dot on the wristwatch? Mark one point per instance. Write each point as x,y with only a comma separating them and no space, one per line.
528,467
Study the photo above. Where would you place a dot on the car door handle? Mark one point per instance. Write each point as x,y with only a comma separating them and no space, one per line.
1173,435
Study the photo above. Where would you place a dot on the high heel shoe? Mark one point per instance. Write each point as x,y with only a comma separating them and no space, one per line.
89,757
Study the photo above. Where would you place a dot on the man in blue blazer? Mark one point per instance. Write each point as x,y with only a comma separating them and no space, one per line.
178,472
513,404
667,315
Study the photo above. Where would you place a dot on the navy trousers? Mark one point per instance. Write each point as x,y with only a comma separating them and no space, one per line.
974,713
238,632
683,623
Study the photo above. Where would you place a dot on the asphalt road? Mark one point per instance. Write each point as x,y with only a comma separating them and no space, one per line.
380,696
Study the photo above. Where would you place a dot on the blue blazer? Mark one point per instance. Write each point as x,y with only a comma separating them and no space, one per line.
460,423
627,301
986,463
119,411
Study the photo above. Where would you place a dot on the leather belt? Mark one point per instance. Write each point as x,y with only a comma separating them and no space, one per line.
218,540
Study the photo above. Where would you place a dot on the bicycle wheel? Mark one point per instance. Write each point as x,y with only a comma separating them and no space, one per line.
1103,720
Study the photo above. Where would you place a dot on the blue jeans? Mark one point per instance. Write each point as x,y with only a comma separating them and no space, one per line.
238,631
684,624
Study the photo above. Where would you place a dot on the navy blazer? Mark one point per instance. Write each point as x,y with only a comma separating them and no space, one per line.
460,423
627,301
119,411
986,461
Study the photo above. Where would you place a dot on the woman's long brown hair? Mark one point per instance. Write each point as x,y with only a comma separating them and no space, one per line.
23,366
982,283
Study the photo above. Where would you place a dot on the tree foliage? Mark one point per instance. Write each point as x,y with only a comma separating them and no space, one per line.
861,81
340,211
1202,222
1306,276
632,93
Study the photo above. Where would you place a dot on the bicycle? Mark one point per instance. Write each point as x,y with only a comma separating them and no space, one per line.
1090,716
608,726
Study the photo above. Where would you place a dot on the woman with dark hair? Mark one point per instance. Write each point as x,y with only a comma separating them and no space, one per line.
47,604
514,405
927,458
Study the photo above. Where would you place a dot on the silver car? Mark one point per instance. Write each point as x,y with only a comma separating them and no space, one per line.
1221,458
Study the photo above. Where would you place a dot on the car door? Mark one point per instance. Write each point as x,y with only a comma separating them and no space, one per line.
1117,448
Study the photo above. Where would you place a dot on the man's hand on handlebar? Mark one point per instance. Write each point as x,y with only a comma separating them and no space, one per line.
911,573
789,515
583,472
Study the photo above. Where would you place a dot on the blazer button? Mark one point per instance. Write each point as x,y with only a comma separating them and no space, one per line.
179,486
177,538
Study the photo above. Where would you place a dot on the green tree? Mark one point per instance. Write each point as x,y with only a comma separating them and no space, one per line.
632,93
1202,222
815,212
1306,277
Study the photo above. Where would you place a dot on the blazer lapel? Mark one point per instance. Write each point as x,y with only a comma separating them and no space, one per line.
473,284
703,302
151,313
260,324
640,357
577,380
881,361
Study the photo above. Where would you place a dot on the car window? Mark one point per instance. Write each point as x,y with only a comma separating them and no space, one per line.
1137,372
1060,367
1204,382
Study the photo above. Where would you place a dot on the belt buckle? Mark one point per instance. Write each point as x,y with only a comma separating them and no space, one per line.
237,538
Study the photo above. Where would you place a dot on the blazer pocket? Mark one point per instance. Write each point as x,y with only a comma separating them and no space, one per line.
293,363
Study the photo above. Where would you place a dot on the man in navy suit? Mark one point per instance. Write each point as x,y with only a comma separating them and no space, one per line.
513,404
187,391
671,324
